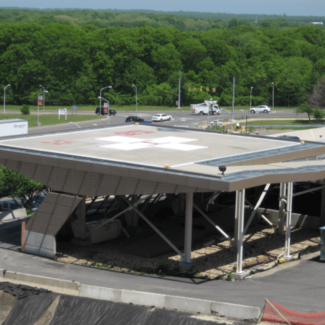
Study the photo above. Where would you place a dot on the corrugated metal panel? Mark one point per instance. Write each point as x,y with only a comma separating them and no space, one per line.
27,169
14,165
53,213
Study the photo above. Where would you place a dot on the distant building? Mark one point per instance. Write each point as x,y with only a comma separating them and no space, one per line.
317,23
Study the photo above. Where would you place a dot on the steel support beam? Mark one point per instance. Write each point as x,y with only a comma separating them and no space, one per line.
135,216
288,223
101,204
153,227
145,203
240,213
211,222
304,192
186,262
117,215
91,203
282,205
212,199
259,202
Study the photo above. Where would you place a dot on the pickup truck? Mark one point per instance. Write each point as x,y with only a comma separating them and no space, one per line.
203,109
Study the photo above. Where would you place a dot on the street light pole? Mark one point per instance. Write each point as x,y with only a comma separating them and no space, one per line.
43,96
100,97
136,97
233,102
272,95
4,99
38,123
250,98
179,90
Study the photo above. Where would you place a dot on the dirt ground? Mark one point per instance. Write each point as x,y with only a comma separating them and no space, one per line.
212,258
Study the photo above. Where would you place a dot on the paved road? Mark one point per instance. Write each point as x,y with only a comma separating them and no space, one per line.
180,118
297,285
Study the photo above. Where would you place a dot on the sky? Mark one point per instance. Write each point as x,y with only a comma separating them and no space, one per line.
268,7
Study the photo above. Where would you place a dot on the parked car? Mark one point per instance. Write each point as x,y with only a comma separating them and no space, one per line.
134,119
37,200
10,205
100,111
161,117
260,109
290,137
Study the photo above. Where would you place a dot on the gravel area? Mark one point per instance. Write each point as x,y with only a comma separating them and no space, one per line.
212,258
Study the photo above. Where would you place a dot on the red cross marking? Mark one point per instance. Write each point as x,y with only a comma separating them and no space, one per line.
58,142
135,132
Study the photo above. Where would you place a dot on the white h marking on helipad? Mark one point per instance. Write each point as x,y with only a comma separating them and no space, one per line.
127,143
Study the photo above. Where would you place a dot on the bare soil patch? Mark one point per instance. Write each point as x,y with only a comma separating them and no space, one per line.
213,258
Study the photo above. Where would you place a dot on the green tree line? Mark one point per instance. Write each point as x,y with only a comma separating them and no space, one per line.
74,62
182,20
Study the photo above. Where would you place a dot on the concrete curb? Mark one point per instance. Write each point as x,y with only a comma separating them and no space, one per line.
185,304
56,285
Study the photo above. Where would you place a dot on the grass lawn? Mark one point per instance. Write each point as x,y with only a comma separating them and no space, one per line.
50,119
129,108
281,122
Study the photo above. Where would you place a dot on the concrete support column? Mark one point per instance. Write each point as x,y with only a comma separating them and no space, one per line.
187,262
288,222
240,213
282,205
322,211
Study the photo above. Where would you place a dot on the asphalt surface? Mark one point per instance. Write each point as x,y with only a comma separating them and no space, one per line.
180,118
295,285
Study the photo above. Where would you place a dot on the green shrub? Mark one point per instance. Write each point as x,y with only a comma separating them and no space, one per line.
25,110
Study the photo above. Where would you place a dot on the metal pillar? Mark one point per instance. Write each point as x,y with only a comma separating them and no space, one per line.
186,261
240,214
288,223
235,241
282,204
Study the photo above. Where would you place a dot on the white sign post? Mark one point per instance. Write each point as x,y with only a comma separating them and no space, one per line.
63,111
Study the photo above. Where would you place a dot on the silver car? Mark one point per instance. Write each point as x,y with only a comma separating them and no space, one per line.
260,109
161,117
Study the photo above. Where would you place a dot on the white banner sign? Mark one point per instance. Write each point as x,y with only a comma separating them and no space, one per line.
62,111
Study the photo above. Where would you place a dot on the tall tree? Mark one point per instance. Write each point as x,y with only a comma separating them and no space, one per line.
317,98
16,185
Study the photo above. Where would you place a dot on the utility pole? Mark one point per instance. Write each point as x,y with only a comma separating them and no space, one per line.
179,90
272,95
4,98
233,101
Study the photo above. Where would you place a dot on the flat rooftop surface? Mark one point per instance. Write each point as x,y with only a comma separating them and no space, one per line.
151,145
14,120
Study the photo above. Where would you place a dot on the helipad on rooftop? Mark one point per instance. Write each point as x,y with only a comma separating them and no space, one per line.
152,146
